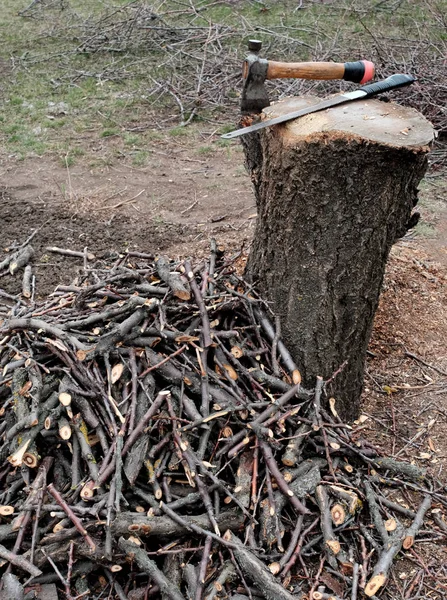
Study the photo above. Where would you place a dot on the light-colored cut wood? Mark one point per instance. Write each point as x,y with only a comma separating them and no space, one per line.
372,119
374,584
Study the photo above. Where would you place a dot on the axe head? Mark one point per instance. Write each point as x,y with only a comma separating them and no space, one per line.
254,95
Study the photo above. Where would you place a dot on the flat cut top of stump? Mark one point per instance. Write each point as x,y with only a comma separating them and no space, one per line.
383,122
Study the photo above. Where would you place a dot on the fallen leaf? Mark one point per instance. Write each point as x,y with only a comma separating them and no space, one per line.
425,455
389,390
431,445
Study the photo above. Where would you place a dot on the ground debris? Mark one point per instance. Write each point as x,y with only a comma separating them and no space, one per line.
158,446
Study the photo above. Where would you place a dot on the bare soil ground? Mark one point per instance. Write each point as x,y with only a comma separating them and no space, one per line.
173,206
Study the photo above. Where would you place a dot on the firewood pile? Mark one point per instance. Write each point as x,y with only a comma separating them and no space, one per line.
156,441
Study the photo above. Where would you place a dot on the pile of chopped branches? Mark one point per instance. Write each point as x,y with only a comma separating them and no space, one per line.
156,442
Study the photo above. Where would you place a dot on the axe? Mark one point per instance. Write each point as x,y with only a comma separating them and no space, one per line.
256,70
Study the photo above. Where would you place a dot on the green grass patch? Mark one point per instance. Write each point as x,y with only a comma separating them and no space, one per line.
205,150
131,139
109,132
112,76
140,158
179,132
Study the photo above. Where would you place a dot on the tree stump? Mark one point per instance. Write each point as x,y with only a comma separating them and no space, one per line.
334,191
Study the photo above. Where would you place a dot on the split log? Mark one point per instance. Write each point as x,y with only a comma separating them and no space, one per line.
334,191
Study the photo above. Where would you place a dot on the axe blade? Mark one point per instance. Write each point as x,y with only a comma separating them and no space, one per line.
254,95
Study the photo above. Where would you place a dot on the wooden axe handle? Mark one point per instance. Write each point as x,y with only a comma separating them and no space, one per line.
360,72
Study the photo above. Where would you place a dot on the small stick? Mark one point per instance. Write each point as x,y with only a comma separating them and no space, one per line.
285,354
203,567
383,565
118,471
375,513
70,570
397,507
133,403
115,585
317,407
331,542
254,479
193,527
109,539
66,252
134,435
148,566
355,581
317,577
159,400
80,431
439,522
163,362
256,570
213,258
426,364
70,514
275,365
190,207
172,278
205,405
35,534
293,542
365,559
206,335
273,509
56,570
26,283
417,523
19,561
75,463
282,484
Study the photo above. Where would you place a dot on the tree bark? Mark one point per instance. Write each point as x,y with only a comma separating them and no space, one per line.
334,191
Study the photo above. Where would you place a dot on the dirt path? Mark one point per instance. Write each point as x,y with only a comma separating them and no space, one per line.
173,205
